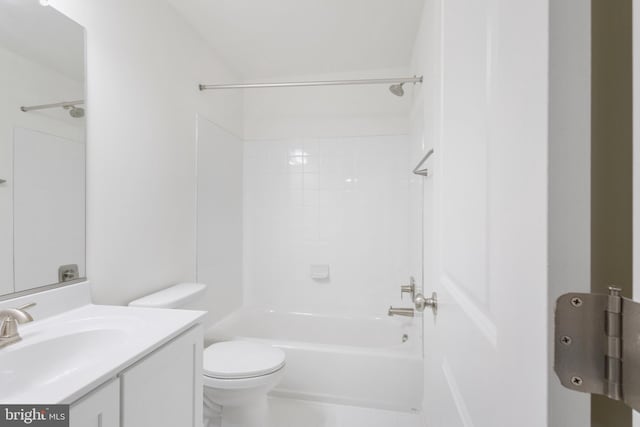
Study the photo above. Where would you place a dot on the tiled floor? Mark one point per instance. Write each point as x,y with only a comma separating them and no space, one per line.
300,413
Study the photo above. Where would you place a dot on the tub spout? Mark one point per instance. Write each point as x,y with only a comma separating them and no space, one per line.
409,312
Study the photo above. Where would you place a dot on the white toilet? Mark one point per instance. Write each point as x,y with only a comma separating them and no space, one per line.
237,374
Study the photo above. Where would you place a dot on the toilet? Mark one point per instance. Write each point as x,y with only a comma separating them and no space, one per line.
237,374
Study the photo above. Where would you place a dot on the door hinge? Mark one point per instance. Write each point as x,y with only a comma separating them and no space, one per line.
597,345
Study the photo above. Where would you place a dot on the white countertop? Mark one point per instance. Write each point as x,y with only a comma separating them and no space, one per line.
64,356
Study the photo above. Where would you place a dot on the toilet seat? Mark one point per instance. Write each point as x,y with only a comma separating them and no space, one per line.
238,384
237,360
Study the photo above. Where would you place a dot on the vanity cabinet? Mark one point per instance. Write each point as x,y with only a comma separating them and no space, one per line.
100,408
163,389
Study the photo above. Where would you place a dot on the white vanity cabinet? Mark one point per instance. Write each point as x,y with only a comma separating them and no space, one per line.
100,408
163,389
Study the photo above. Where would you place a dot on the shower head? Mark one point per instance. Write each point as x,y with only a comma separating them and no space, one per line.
397,89
75,112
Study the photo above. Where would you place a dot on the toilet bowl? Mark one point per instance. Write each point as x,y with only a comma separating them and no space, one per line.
237,374
237,377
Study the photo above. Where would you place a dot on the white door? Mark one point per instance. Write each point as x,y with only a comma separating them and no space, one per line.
496,222
100,408
165,388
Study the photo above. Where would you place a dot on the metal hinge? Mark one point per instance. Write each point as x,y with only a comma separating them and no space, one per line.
597,345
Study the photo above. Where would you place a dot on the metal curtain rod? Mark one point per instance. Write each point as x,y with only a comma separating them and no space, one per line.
57,104
414,79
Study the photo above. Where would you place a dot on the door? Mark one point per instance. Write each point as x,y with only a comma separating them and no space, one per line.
100,408
165,388
509,198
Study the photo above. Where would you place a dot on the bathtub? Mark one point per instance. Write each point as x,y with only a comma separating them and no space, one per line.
366,361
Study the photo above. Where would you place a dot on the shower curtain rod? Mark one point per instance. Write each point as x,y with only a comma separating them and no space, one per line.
57,104
414,79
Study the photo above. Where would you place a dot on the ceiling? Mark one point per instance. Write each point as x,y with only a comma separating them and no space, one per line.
277,38
44,35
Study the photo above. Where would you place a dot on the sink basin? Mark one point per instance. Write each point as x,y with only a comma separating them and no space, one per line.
33,363
63,357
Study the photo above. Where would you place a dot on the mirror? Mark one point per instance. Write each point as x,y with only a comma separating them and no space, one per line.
42,147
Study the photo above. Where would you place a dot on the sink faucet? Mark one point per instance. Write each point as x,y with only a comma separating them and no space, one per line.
9,320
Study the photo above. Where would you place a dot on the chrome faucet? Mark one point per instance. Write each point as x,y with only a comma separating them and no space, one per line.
9,320
394,311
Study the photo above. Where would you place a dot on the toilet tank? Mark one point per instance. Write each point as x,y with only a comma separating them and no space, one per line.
186,296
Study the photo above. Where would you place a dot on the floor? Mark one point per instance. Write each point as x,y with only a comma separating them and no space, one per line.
297,413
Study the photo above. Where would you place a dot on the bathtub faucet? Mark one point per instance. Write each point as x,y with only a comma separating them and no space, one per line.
409,312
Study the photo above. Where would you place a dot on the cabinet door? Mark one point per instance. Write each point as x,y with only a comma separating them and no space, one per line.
100,408
165,388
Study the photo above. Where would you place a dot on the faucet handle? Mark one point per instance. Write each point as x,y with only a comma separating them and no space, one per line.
409,289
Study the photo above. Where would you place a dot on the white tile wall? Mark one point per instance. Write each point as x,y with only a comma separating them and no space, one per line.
336,201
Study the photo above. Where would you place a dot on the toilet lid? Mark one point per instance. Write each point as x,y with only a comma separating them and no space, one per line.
241,359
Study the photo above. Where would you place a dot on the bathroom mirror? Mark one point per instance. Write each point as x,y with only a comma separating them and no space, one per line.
42,147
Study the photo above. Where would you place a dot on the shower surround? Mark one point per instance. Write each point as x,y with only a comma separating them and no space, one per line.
340,202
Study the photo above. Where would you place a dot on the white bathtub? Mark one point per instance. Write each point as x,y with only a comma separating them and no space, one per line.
367,361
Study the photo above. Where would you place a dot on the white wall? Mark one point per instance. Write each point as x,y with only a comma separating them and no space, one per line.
327,111
219,226
25,82
326,183
143,66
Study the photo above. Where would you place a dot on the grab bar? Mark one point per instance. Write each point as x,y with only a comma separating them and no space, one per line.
425,171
